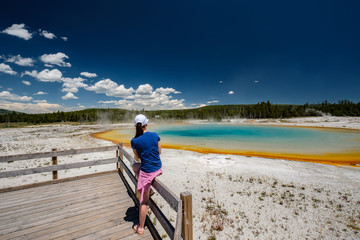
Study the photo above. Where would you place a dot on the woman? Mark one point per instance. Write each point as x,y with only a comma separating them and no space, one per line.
146,147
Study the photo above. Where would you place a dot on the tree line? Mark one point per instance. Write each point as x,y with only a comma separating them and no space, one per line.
214,112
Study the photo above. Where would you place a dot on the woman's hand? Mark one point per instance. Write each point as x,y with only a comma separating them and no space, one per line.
136,155
159,146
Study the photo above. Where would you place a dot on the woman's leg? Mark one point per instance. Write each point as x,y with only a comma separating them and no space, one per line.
136,168
143,210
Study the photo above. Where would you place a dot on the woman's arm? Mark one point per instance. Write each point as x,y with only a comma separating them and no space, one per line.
136,155
159,146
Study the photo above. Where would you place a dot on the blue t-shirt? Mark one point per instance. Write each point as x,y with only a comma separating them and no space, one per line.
147,148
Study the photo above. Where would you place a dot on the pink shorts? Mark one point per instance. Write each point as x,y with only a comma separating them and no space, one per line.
145,180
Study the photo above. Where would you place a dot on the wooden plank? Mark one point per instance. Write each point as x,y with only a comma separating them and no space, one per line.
165,223
66,187
72,226
56,168
36,209
54,162
51,182
187,225
167,194
106,232
127,155
66,182
58,223
46,190
68,193
20,157
42,210
178,223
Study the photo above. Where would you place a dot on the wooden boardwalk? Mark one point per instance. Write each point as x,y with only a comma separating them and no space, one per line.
97,207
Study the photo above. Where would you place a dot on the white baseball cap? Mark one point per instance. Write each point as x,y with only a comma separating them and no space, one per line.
141,119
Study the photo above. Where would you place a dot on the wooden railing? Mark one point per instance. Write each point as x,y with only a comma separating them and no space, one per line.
54,154
182,206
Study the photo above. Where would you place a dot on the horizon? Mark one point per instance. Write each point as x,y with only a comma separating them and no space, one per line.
214,105
173,56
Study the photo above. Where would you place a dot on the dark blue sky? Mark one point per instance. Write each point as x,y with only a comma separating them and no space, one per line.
176,54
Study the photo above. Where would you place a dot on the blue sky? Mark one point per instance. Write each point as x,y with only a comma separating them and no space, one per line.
69,55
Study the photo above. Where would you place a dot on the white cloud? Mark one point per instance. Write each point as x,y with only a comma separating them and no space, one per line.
256,81
46,75
146,98
143,97
110,88
64,38
25,62
48,65
9,96
55,59
18,30
47,34
231,92
73,84
69,95
40,101
89,75
145,89
26,83
33,73
166,90
40,107
220,81
214,101
6,69
40,93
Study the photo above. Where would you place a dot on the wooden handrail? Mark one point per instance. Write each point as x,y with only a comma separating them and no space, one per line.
56,168
175,202
54,155
27,156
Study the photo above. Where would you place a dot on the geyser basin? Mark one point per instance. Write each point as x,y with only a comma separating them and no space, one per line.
330,146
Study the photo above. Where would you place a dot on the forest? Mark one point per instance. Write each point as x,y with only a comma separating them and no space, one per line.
214,113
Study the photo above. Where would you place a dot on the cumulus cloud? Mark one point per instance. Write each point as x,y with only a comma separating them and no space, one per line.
89,75
231,92
256,81
55,59
166,90
46,75
214,101
145,97
18,30
220,81
40,93
33,73
68,96
47,34
64,38
145,89
73,84
40,107
110,88
25,62
6,69
26,83
9,96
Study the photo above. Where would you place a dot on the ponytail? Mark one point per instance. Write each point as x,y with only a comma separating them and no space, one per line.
139,130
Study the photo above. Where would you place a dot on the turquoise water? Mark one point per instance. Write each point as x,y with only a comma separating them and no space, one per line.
261,138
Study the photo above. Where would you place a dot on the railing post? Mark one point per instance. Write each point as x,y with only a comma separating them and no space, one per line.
121,156
54,162
187,225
